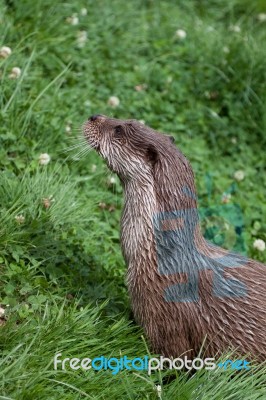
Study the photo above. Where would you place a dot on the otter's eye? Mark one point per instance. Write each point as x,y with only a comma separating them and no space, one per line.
118,131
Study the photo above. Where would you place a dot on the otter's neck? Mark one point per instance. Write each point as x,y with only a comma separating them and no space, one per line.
164,196
174,183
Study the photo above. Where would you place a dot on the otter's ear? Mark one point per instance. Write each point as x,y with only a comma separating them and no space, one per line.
152,154
172,139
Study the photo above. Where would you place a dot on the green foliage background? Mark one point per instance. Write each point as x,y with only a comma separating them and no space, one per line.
208,90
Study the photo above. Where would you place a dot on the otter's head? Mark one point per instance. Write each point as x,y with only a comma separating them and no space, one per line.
129,147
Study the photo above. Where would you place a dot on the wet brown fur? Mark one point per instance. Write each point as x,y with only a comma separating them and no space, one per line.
153,171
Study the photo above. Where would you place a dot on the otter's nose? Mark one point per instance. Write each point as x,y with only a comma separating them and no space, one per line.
94,117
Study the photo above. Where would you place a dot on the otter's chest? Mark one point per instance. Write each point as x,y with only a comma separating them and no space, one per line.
137,231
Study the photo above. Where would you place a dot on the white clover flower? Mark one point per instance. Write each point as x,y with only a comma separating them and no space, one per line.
93,168
181,34
239,175
209,29
234,140
261,17
111,180
44,159
20,219
140,88
2,312
73,20
142,121
5,52
114,101
226,50
158,388
235,28
214,114
87,103
15,73
226,197
259,244
227,226
81,38
83,12
47,201
68,128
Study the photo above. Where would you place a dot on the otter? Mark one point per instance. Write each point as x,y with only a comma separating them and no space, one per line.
188,294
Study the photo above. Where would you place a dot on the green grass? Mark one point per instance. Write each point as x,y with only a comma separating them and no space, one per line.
27,371
208,90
